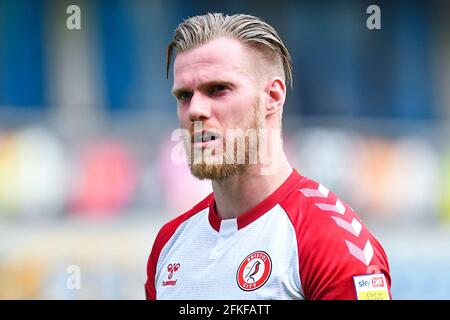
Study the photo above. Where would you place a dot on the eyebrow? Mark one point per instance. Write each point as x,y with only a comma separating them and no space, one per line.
177,91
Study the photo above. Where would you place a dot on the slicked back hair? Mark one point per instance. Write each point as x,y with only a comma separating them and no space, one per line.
247,29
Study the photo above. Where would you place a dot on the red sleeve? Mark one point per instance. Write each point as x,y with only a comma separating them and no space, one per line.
160,241
162,238
334,245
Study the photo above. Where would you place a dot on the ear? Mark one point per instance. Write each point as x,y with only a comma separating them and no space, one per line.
276,95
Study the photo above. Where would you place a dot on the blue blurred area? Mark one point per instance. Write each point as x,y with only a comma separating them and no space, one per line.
22,61
341,67
118,51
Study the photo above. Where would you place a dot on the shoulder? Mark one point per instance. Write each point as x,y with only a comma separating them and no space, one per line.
312,207
333,243
303,203
168,229
163,236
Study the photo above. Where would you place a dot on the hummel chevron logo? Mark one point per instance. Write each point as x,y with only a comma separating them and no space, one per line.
364,255
321,192
354,227
338,207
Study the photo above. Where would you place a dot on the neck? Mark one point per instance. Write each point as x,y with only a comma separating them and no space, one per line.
237,194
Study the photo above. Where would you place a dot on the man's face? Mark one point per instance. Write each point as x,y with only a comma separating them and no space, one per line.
216,89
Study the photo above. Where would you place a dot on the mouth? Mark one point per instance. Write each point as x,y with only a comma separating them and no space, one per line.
204,137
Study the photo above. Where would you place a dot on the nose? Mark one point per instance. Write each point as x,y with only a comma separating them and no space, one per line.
199,108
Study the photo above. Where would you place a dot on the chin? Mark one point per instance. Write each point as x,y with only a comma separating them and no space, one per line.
215,171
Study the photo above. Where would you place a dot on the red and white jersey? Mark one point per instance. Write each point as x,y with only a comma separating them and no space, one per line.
301,242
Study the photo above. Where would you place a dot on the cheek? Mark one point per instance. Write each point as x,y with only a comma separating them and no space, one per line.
232,118
183,118
239,111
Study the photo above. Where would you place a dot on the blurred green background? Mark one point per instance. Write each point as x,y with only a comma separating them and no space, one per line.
86,116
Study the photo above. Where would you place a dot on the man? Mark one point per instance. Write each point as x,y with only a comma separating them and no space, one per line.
266,232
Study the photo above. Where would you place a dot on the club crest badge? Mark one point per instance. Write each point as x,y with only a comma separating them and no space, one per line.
254,271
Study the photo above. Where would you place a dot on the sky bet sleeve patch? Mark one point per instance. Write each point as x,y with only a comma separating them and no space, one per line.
371,287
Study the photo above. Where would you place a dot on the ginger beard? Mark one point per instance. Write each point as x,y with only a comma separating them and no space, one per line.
218,163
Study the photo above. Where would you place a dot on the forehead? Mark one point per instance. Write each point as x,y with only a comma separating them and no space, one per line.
220,59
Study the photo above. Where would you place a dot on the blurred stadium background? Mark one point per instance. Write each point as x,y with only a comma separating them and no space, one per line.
86,118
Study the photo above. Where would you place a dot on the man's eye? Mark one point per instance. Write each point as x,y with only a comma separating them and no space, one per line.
217,88
184,96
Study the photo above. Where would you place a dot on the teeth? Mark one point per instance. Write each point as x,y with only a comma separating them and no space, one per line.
207,136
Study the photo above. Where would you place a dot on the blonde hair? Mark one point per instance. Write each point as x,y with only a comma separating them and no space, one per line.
248,29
